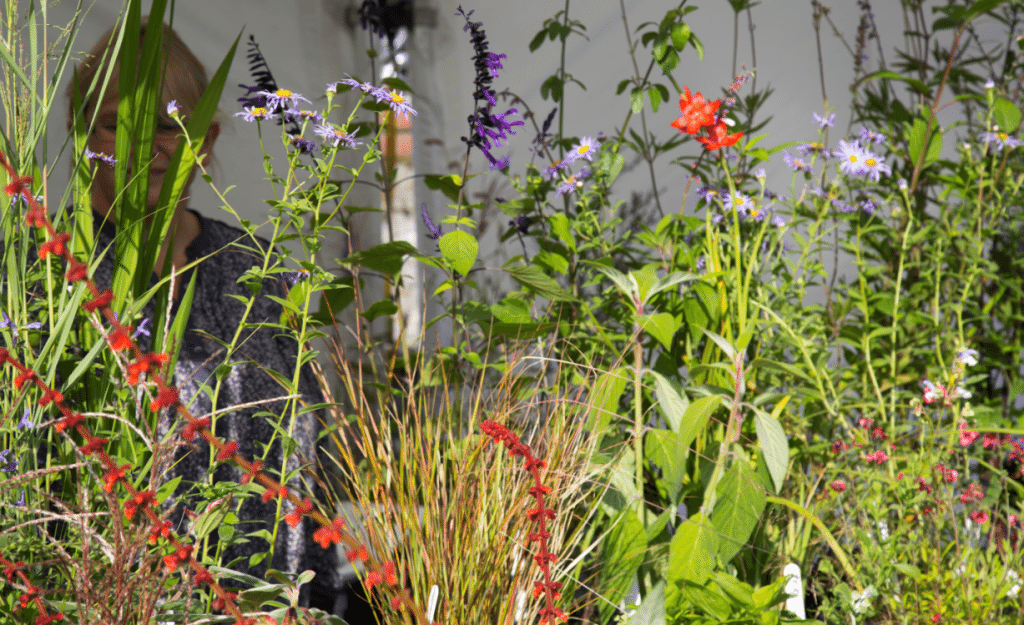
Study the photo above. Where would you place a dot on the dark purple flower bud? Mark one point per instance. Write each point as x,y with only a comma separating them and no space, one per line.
433,232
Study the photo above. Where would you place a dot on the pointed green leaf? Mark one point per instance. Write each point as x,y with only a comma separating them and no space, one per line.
772,439
459,248
661,326
691,554
672,403
739,506
696,418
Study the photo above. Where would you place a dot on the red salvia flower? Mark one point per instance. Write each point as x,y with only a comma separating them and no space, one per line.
220,604
29,596
69,422
77,272
358,554
143,365
163,529
21,185
23,377
227,450
57,246
119,339
51,395
294,517
250,474
372,579
719,137
46,620
138,502
192,428
166,398
94,445
113,476
270,493
697,112
36,218
202,577
389,574
102,301
3,356
13,568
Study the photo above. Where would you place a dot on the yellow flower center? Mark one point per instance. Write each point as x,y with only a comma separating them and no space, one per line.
584,148
754,212
1002,136
259,111
738,200
396,97
853,158
799,163
871,162
283,93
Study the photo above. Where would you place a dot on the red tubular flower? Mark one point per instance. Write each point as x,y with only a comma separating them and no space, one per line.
543,559
163,529
20,185
23,377
36,218
143,365
719,137
69,422
113,476
534,513
220,604
56,246
358,554
166,398
76,272
202,577
294,517
51,395
46,620
534,537
697,112
94,445
270,493
250,474
192,428
372,579
138,502
11,569
27,597
539,490
102,301
227,450
551,615
3,356
534,463
119,339
389,574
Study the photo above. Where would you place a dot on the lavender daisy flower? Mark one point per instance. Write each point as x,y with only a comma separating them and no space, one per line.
433,232
852,157
843,206
99,156
868,206
738,201
291,115
295,277
709,194
586,148
813,147
874,167
282,98
795,162
574,182
494,63
304,145
868,136
777,220
551,172
253,113
335,136
396,101
172,108
1000,139
825,121
26,423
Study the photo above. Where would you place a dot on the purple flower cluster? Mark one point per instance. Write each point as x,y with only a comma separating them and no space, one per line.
395,100
857,161
1000,140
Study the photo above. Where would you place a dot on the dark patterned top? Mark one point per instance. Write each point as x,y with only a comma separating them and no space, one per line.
215,314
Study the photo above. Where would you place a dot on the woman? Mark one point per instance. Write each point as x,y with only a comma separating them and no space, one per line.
213,322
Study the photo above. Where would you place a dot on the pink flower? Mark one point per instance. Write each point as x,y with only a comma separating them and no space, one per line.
838,486
922,485
1014,520
866,422
936,618
966,436
991,441
971,494
933,392
879,456
980,517
951,475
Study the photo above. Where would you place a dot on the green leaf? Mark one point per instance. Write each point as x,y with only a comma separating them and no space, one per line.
661,326
539,282
680,36
772,439
610,164
459,248
560,228
552,87
636,100
383,307
916,141
626,286
604,398
691,554
738,509
449,185
722,343
512,310
916,85
663,449
696,418
386,258
1006,115
652,607
623,551
697,45
672,403
654,95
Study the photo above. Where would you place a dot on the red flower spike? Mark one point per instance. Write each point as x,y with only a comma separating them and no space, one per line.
102,301
534,463
254,468
551,615
36,218
192,428
220,604
202,577
534,537
27,597
51,395
138,502
3,356
227,450
57,246
119,339
69,422
322,536
94,445
268,495
76,273
113,476
533,513
545,558
24,376
46,620
719,137
396,602
161,530
539,490
359,553
166,398
20,185
389,574
372,579
294,517
13,568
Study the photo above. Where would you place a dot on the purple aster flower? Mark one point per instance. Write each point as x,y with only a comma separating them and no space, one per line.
709,194
586,148
552,170
1000,139
990,84
304,145
813,148
172,108
867,206
868,136
795,162
99,156
295,277
843,206
282,98
902,184
738,201
253,113
396,101
433,232
874,167
26,423
777,220
494,63
335,136
574,182
760,174
852,158
291,115
825,121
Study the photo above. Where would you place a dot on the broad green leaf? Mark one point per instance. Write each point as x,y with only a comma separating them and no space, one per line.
654,95
663,449
652,607
1006,115
691,554
539,282
672,404
739,506
696,418
661,326
626,286
459,248
916,142
386,258
512,310
604,398
680,36
916,85
722,343
377,309
560,228
772,439
622,551
636,100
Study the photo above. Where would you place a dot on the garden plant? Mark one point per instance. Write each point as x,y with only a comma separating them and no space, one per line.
641,413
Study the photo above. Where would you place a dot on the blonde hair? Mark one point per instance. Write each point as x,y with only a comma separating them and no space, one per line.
184,79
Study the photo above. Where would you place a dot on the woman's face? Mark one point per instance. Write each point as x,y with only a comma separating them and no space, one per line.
165,142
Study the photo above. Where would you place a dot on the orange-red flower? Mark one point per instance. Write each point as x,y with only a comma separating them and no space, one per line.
697,112
719,137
